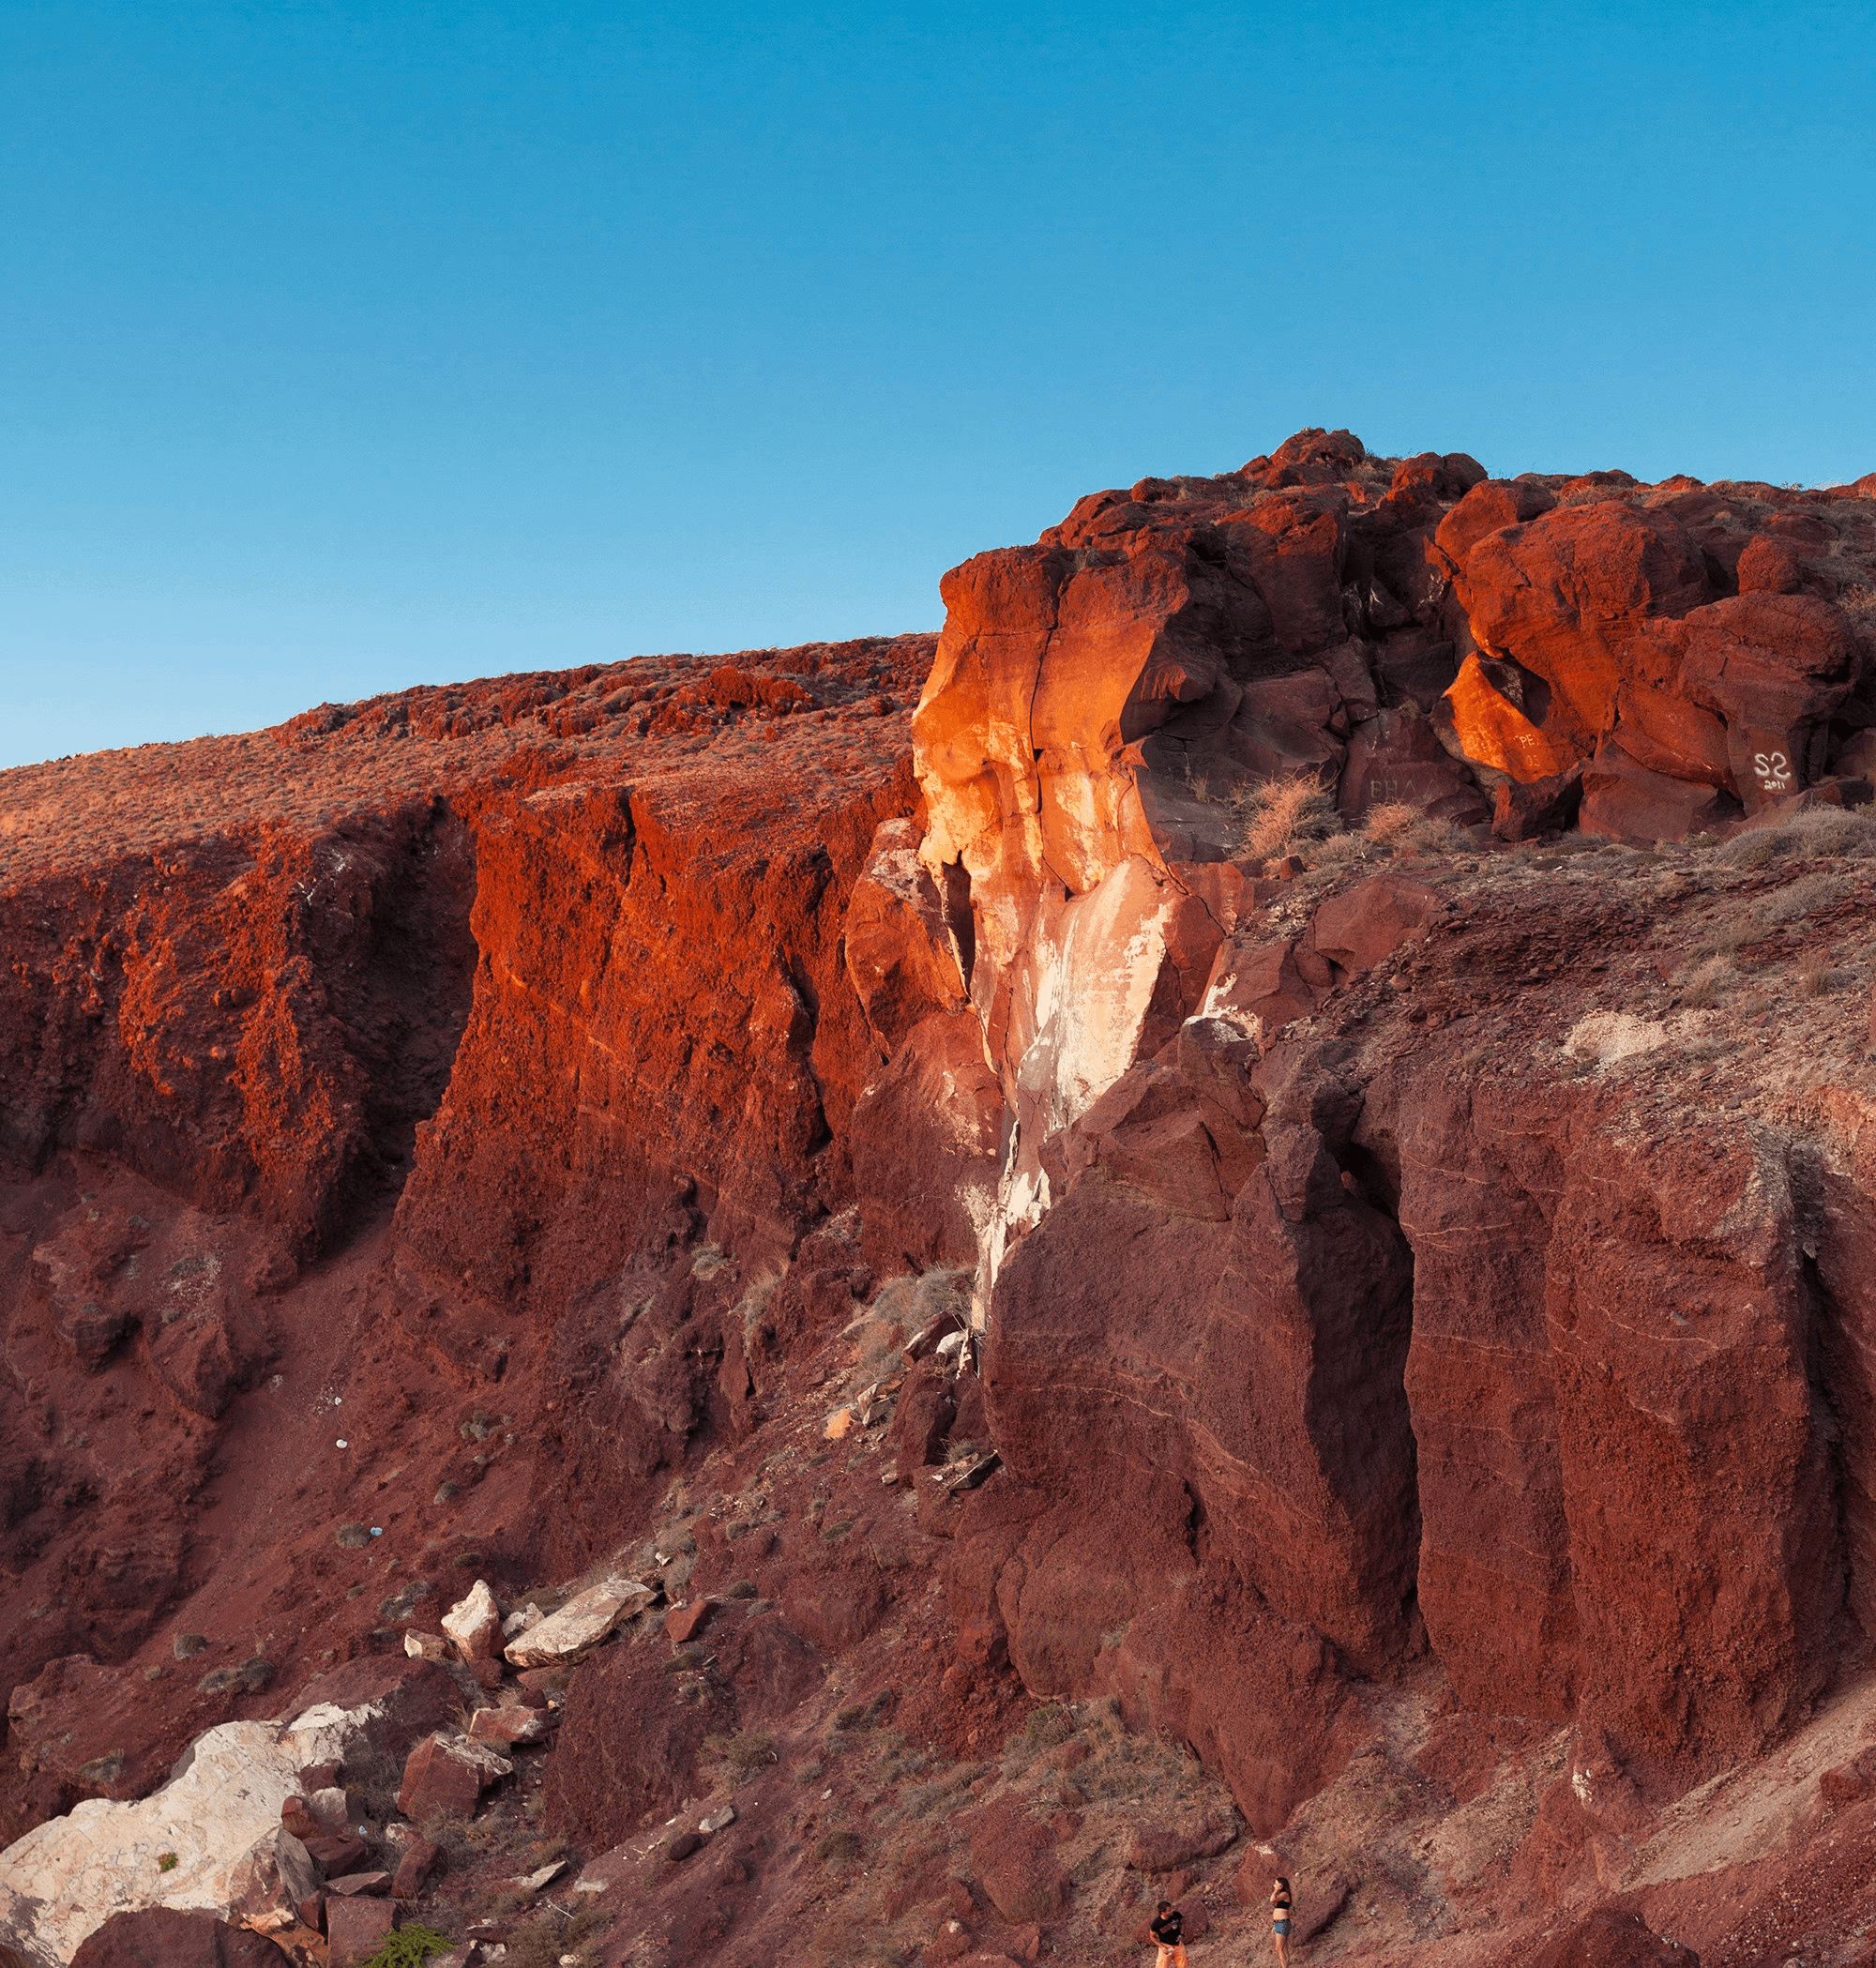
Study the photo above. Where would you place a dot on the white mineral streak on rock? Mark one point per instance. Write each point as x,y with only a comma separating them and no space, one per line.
66,1877
1091,974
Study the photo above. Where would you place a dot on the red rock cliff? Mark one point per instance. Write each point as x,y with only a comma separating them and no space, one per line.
1325,975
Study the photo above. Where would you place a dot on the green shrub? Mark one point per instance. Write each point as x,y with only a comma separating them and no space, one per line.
410,1948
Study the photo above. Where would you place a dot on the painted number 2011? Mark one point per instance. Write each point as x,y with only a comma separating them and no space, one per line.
1774,770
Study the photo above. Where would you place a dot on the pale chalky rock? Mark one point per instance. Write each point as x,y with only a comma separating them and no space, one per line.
522,1620
472,1623
582,1624
70,1875
425,1647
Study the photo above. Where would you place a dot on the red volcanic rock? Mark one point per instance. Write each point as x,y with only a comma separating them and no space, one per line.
159,1937
355,1929
1566,593
445,1776
1362,926
1014,1858
1774,668
1396,758
1624,800
419,1861
407,1698
686,1622
1607,1939
1366,1276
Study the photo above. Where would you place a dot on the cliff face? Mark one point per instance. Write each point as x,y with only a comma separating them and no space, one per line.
1278,1248
1353,983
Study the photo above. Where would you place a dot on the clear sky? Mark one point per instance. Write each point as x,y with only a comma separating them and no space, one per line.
345,347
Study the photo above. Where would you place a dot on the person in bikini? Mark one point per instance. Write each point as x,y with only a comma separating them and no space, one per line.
1168,1926
1282,1907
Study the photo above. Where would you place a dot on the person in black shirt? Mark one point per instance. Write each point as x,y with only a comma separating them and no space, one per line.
1168,1924
1282,1908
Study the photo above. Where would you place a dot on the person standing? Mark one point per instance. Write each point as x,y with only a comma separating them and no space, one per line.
1282,1907
1168,1926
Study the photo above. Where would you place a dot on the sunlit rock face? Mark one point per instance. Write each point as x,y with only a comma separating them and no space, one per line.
1336,1328
1698,651
1417,1210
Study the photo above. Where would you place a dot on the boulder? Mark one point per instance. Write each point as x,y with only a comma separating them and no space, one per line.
686,1622
1567,593
582,1624
164,1937
355,1929
472,1623
1168,1843
93,1331
507,1724
419,1861
197,1362
1014,1858
1400,758
219,1816
1521,811
1775,667
1363,925
445,1776
338,1853
272,1882
1623,800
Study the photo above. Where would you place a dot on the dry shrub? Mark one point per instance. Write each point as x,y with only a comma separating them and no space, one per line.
742,1754
1706,983
1805,896
1408,829
1337,851
1386,825
1823,832
1280,814
838,1848
540,1942
1816,977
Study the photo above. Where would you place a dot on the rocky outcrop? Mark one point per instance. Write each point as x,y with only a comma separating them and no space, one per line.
1197,1186
210,1840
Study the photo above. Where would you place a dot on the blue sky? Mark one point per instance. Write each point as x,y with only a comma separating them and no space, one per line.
344,347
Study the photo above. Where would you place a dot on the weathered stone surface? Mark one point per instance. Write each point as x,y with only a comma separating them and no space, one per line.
582,1624
473,1624
507,1724
163,1937
66,1878
445,1776
1607,1939
1014,1858
355,1929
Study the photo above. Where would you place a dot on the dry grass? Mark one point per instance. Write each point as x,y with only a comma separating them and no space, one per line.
1708,983
1822,833
1283,814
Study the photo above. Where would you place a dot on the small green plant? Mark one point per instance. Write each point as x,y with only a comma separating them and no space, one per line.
166,1862
410,1948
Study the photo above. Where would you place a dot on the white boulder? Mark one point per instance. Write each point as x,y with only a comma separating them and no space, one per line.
582,1624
